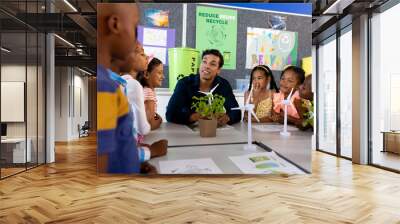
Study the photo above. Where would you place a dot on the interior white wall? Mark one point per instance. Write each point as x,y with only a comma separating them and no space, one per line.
80,82
68,81
61,103
16,73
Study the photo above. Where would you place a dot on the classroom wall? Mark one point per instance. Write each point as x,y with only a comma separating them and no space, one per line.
33,127
246,18
17,73
71,102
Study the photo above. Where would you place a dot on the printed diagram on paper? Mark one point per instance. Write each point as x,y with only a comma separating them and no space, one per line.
189,166
264,163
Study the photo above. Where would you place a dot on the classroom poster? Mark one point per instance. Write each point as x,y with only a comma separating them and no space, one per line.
155,17
306,64
156,41
274,48
216,28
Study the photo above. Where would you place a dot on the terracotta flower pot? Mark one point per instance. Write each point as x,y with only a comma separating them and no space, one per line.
208,128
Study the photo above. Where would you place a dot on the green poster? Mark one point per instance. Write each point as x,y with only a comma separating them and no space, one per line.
216,28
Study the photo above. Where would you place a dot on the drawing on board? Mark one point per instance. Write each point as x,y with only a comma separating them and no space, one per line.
155,17
156,41
189,166
274,48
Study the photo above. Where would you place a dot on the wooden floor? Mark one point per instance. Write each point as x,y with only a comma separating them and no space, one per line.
69,191
387,159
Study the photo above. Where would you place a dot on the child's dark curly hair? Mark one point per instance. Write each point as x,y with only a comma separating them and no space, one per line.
150,67
298,71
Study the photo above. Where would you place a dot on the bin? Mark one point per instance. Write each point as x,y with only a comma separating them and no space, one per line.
182,62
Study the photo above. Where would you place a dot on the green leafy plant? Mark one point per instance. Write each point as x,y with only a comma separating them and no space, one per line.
205,109
309,115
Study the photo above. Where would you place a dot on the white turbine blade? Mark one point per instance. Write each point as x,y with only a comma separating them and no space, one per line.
249,96
255,116
290,94
212,90
203,92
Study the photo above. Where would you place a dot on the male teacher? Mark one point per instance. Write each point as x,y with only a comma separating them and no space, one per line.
179,106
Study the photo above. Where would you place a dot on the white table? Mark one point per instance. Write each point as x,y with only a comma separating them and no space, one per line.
182,135
218,153
296,148
19,155
181,142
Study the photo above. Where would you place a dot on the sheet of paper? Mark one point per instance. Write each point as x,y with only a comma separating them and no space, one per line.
156,52
264,163
155,37
189,166
273,127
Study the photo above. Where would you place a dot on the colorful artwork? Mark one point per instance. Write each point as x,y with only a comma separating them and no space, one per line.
306,64
274,48
155,17
156,41
216,28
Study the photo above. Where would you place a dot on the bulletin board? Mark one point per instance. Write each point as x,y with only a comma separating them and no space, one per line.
245,18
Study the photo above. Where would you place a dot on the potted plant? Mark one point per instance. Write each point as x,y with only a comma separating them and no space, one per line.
210,107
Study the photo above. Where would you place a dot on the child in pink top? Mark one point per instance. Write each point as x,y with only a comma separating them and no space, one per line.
292,77
151,79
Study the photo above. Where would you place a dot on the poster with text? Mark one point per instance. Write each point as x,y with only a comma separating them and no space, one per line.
274,48
216,28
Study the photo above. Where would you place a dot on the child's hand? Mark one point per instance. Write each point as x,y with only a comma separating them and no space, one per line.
159,148
147,168
222,120
277,117
194,117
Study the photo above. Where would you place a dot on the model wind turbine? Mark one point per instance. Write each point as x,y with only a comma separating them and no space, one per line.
286,103
249,107
210,94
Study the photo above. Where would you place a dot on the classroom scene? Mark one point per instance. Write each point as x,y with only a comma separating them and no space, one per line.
167,111
207,94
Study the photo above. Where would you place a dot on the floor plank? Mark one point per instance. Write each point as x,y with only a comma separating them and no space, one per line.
70,191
